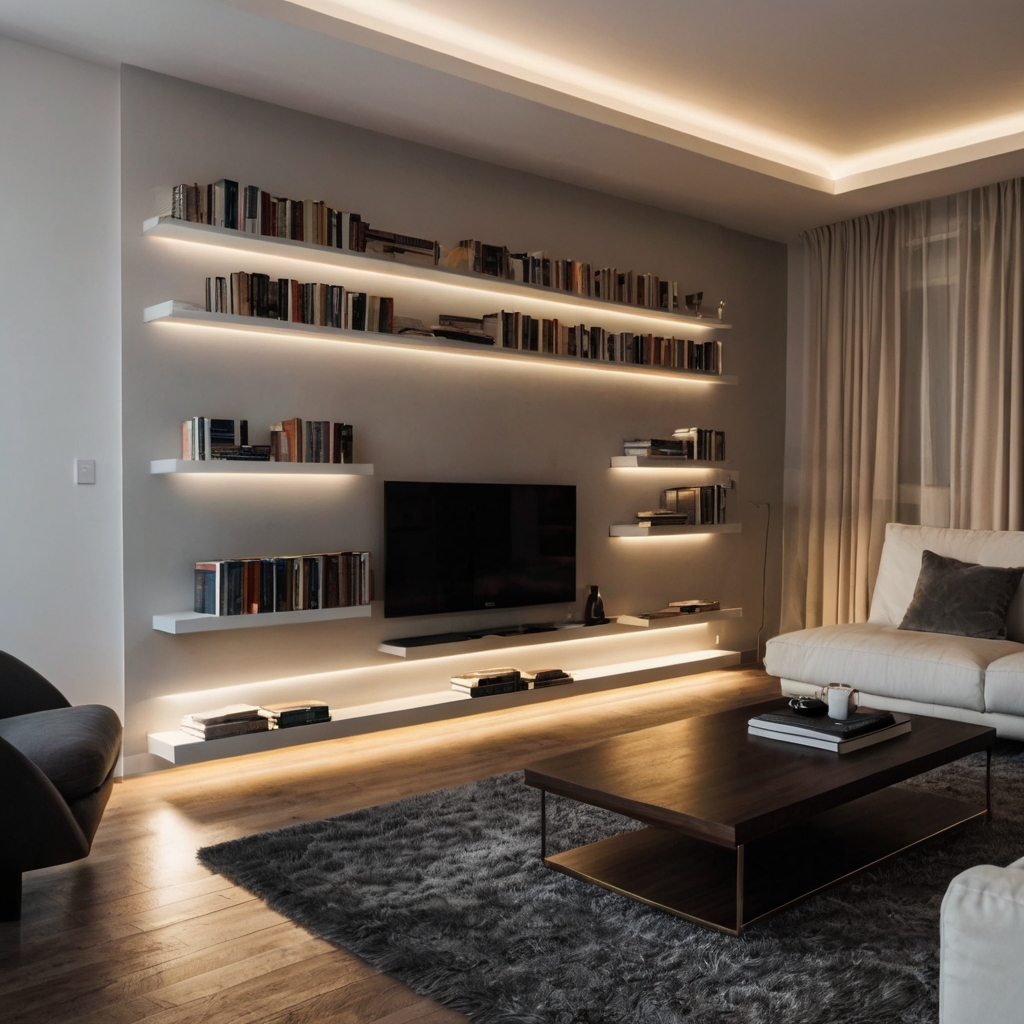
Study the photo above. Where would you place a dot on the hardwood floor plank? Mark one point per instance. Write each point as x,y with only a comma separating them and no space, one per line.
141,932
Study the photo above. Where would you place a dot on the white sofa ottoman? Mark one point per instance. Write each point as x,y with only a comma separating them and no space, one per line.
982,939
957,677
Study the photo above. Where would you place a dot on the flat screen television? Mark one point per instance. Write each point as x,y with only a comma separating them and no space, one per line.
460,547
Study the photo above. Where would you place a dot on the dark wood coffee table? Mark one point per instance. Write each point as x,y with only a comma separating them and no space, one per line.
742,827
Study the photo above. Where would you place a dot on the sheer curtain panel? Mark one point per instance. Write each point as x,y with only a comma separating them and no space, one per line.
913,355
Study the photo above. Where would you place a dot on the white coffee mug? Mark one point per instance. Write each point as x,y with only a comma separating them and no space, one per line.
841,700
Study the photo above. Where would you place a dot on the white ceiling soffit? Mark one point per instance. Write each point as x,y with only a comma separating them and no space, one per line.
413,32
431,71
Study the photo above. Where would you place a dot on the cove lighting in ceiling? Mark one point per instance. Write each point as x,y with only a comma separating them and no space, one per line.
780,155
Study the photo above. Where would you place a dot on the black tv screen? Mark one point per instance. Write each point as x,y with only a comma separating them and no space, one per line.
459,547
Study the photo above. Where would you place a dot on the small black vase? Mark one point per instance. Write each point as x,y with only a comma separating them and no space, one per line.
593,611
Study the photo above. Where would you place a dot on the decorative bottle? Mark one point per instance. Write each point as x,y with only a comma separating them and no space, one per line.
593,611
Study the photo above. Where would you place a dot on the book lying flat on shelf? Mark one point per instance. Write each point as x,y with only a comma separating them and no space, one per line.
865,728
232,720
303,712
539,678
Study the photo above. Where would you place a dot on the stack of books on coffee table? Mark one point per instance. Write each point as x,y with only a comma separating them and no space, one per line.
862,729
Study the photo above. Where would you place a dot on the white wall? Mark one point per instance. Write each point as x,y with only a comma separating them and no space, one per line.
416,416
60,375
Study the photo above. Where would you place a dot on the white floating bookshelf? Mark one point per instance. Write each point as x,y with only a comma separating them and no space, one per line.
198,622
571,634
176,312
226,238
178,748
653,462
231,467
673,622
633,530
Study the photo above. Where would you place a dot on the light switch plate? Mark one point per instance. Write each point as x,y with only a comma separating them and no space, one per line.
85,471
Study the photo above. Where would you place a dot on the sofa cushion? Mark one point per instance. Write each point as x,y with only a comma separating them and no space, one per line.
1004,685
901,565
961,598
75,748
933,668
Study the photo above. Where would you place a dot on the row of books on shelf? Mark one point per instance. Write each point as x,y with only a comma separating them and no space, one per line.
865,728
204,438
491,682
525,333
242,719
322,305
697,443
255,211
688,506
633,289
255,586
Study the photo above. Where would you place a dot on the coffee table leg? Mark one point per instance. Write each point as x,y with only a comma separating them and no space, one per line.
988,784
739,888
543,824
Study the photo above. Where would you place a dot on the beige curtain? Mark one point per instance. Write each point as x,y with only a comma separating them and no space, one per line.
913,379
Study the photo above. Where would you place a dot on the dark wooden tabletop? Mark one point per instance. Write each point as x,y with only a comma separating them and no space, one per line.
707,778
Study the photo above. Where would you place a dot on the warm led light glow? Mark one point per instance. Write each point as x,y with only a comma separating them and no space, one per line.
507,358
444,35
441,666
479,289
808,164
657,535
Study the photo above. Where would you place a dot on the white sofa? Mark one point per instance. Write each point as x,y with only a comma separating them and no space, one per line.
957,677
982,933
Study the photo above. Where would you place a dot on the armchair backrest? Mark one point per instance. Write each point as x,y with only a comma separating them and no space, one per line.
23,690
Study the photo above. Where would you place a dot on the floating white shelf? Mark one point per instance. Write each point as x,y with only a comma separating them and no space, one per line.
179,748
673,622
197,622
653,462
177,312
633,530
564,635
229,467
207,234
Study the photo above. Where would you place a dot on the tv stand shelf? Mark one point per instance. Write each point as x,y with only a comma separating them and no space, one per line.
482,642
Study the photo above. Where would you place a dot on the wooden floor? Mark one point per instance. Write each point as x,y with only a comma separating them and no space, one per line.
140,931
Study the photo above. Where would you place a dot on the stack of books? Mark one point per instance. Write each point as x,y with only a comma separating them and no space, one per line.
655,447
303,712
862,729
489,682
233,720
675,610
539,678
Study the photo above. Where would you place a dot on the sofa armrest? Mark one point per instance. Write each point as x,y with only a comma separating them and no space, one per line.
23,690
38,828
982,934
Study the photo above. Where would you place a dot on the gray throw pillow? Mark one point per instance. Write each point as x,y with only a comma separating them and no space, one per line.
961,598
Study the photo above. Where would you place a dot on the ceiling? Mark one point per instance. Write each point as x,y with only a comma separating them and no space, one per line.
766,117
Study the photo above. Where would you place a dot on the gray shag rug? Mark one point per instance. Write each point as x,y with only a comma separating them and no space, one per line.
445,892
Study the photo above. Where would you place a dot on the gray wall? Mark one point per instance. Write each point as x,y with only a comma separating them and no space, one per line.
423,416
60,370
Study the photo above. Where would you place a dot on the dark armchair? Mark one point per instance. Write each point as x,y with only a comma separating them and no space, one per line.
57,771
